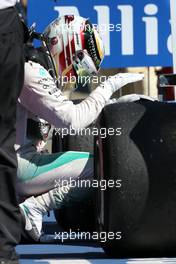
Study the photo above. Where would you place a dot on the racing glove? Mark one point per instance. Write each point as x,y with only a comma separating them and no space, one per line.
114,83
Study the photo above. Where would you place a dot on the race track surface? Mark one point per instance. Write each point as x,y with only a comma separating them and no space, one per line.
68,254
53,254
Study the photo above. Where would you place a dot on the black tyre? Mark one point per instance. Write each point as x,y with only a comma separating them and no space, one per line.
143,157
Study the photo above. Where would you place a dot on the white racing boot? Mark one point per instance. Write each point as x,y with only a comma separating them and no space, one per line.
32,212
33,209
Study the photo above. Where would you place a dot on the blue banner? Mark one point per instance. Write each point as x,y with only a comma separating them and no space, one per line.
135,32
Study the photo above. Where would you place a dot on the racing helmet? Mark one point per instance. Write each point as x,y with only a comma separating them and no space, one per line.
75,46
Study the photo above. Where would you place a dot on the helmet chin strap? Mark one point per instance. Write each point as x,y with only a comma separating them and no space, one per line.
45,44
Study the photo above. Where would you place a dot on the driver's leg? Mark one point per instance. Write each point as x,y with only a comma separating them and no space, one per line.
54,179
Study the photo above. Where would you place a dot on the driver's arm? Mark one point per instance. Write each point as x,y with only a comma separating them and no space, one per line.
38,96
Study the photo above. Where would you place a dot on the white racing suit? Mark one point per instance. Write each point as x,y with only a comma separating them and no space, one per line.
52,180
38,172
